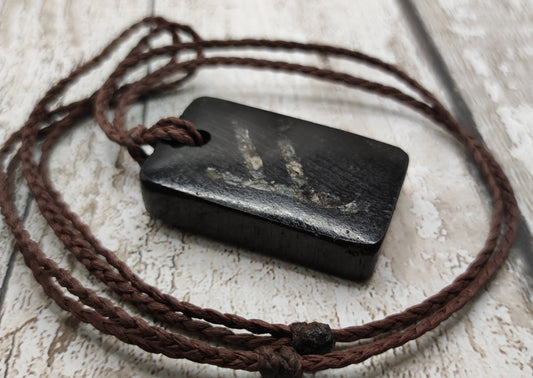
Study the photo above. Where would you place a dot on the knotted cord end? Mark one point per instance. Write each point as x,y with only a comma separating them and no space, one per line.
312,338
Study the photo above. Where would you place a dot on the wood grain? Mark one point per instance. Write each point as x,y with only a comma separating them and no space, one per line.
489,50
437,228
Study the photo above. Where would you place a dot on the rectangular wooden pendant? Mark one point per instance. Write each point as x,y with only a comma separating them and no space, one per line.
293,189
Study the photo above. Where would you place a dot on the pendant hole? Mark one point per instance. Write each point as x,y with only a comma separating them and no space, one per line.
205,136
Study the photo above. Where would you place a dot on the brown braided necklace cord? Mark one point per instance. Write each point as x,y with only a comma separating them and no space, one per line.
272,349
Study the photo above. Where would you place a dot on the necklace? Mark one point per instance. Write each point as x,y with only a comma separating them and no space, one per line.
272,349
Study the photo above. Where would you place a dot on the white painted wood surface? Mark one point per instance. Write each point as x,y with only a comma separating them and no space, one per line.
489,50
437,228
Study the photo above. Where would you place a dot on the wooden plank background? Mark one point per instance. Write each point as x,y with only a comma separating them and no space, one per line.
438,226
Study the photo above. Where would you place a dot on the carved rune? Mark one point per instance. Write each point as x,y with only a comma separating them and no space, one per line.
299,188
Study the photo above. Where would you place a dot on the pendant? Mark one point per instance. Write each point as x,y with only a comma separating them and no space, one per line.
293,189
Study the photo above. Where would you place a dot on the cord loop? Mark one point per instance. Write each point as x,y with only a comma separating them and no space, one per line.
171,129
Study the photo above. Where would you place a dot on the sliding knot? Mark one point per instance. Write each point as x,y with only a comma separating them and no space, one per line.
283,362
312,338
170,129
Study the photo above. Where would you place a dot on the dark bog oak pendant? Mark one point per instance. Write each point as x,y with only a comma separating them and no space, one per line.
293,189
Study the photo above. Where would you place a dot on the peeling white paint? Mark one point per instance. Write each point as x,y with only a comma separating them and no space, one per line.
429,221
518,122
477,62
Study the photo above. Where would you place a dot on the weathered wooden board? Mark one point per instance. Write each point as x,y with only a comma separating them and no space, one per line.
40,43
489,50
428,243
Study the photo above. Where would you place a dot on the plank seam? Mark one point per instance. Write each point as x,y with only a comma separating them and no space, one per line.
11,262
522,258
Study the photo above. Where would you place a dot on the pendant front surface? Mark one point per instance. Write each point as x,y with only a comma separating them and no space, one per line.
303,192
